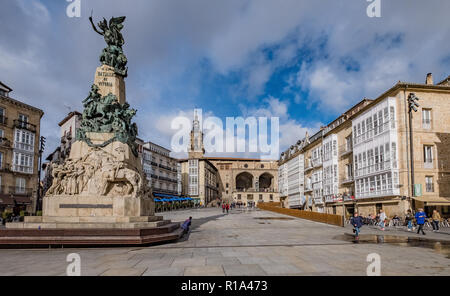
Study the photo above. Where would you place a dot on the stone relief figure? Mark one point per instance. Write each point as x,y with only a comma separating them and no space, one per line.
56,184
98,173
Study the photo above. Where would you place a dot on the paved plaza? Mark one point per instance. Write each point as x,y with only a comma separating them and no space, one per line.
243,243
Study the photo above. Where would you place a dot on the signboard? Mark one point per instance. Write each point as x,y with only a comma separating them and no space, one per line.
417,190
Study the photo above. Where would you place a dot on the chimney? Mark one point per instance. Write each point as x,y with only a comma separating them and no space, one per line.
429,80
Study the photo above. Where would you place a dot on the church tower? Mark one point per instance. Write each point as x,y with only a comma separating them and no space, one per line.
196,149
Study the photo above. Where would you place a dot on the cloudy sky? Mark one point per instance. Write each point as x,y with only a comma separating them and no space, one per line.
304,61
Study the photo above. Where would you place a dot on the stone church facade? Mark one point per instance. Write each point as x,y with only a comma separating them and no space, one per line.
246,181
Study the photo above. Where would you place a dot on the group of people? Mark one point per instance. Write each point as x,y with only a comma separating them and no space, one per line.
420,218
226,207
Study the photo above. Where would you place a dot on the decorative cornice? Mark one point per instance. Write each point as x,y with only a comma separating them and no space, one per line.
23,105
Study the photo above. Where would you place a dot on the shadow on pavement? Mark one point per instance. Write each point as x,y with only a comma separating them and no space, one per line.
196,223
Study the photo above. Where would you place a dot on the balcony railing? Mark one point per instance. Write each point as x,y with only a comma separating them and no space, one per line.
24,146
426,124
4,142
376,193
22,169
429,187
5,167
316,162
429,164
376,168
3,120
24,125
329,198
348,179
345,149
168,191
20,191
165,167
262,190
168,179
318,200
373,132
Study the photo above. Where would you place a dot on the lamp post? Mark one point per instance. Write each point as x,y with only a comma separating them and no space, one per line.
41,151
413,105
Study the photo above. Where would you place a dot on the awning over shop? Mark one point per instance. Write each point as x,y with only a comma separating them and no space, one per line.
161,197
433,201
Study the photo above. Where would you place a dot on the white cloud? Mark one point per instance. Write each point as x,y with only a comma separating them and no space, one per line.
50,59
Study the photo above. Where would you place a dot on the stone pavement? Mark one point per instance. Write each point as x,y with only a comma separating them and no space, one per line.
243,243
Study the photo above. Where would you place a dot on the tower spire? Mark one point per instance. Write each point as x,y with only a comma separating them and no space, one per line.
196,148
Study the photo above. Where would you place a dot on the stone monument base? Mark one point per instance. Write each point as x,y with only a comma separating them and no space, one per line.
102,212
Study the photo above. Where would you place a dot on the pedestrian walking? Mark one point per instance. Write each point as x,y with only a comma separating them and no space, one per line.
228,208
436,220
357,223
382,219
420,218
223,208
409,220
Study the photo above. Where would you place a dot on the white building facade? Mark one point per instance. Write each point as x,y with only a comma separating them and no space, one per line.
283,180
330,167
295,181
375,152
161,170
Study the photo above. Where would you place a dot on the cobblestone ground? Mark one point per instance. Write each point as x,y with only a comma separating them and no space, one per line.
242,243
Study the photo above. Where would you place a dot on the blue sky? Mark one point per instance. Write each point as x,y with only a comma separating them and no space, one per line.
304,61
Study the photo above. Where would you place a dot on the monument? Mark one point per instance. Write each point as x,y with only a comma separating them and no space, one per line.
99,195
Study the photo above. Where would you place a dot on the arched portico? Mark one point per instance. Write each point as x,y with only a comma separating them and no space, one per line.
244,181
266,182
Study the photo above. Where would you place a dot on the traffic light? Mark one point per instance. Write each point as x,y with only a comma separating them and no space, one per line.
412,101
42,144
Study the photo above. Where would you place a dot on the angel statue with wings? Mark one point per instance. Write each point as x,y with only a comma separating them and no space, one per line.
113,54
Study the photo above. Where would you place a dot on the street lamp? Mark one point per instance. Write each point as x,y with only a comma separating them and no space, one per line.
413,105
41,151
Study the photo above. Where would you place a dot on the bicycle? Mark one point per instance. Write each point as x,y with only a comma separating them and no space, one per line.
444,223
428,224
